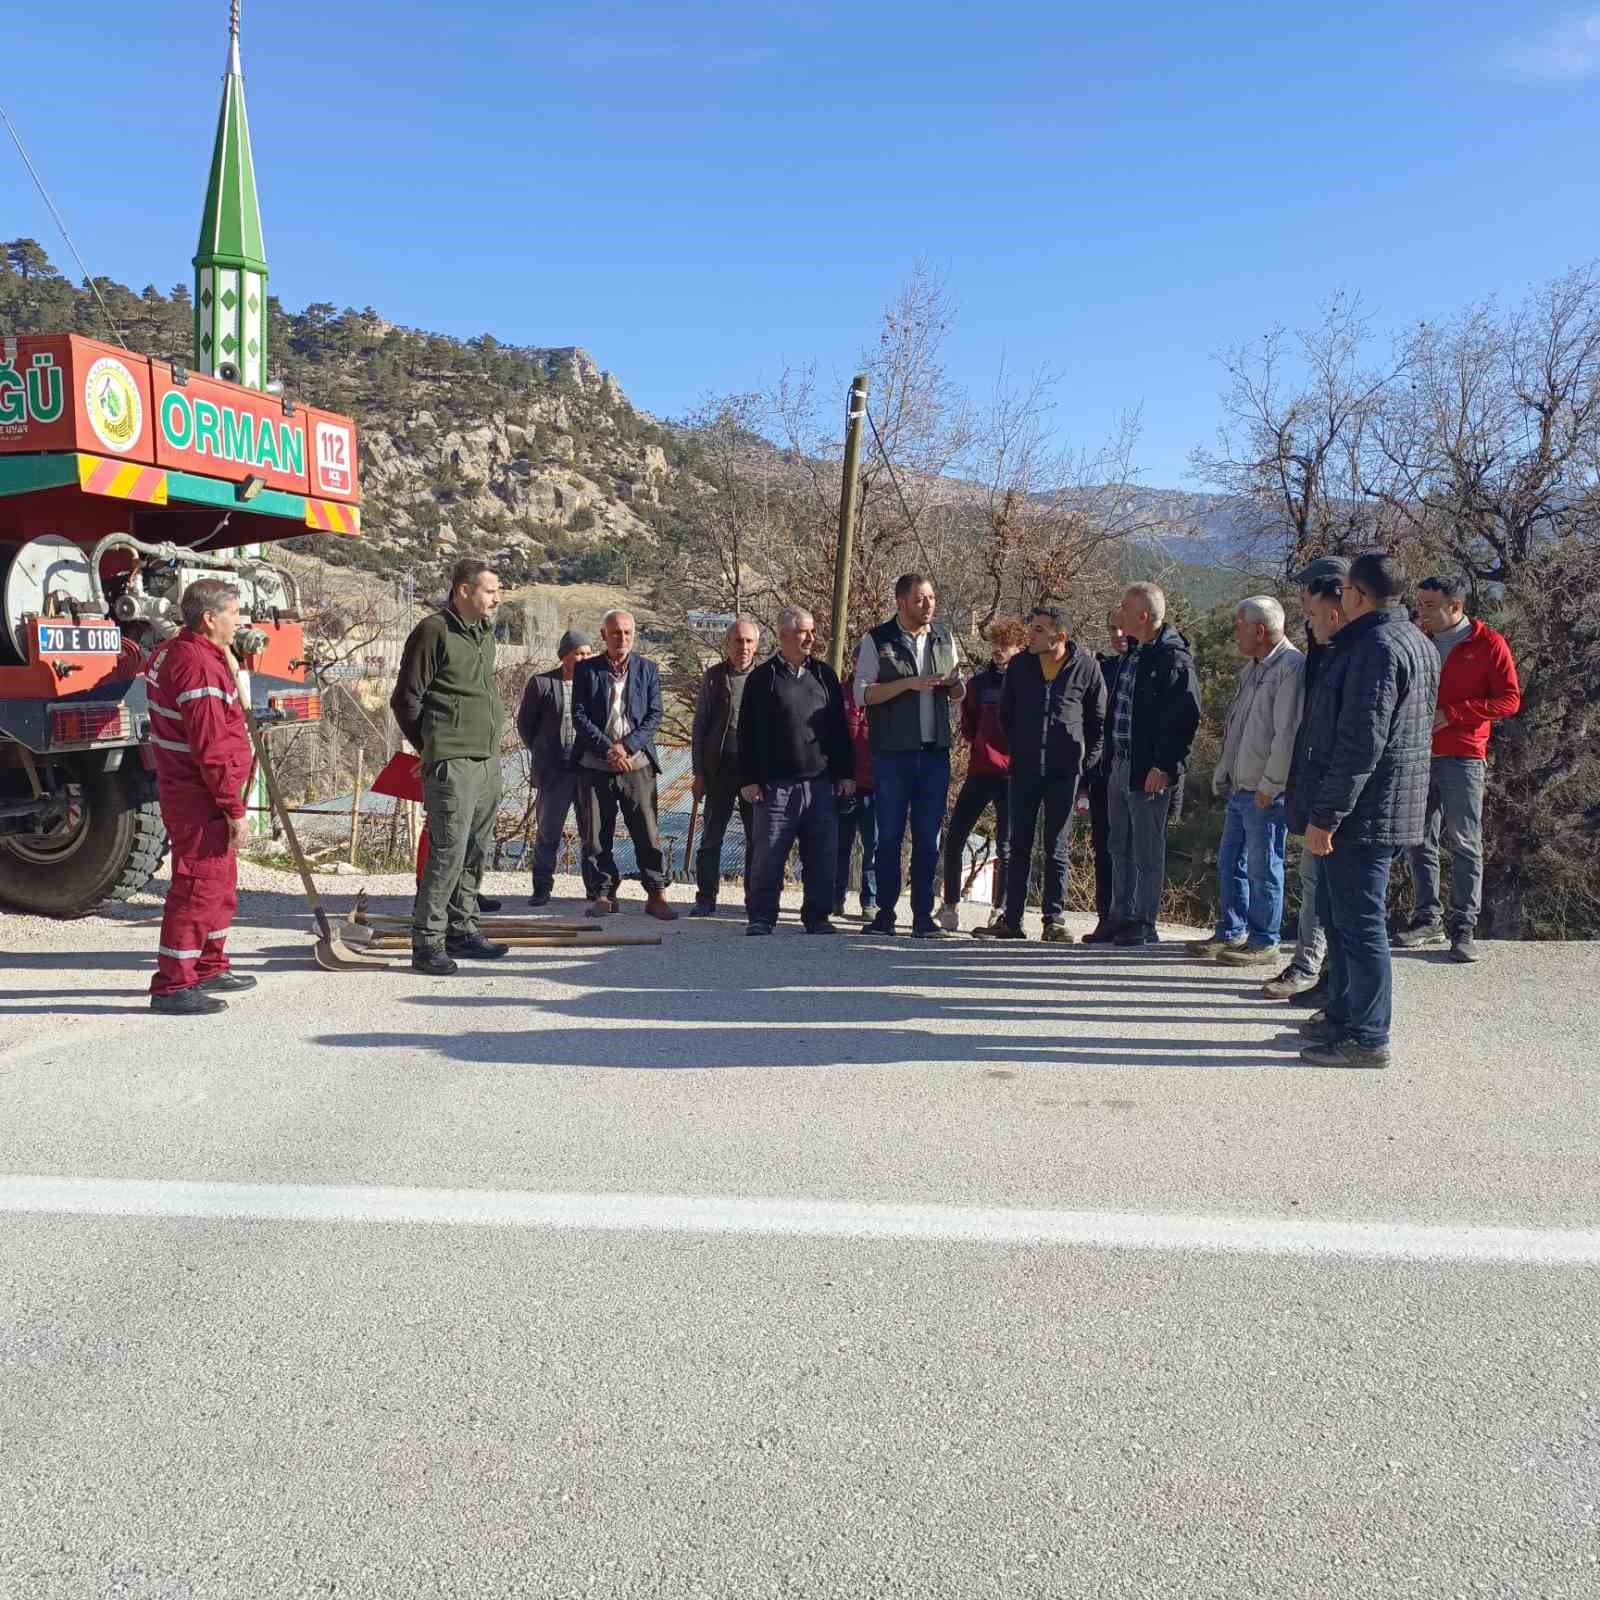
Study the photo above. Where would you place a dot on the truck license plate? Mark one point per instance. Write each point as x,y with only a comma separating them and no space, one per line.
79,639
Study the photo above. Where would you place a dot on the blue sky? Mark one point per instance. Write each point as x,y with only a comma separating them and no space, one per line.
700,193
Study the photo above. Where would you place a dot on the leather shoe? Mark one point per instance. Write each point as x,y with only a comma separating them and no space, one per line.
822,925
1131,935
486,904
1102,933
477,948
433,963
229,982
703,908
539,899
190,1002
656,906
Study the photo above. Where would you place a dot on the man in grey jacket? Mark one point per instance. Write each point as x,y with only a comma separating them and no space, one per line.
544,720
715,751
1257,747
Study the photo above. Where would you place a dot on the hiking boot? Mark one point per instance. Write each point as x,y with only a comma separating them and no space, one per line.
656,906
486,904
1250,955
758,930
703,908
1211,949
539,899
474,947
1102,932
228,983
928,930
1346,1053
882,924
1055,933
433,963
949,918
1420,936
1290,982
190,1002
1463,947
999,929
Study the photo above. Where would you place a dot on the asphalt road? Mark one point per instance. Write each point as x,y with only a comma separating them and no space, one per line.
792,1267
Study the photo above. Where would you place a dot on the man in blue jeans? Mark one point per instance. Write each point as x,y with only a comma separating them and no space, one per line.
907,675
1257,746
1369,734
796,762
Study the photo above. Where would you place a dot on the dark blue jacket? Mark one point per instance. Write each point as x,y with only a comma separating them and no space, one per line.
1367,740
1166,706
641,702
1053,729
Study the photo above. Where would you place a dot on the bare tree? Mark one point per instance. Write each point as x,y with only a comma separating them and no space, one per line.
1474,447
1293,452
1488,454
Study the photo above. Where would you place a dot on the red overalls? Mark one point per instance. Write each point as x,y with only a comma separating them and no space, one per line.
202,755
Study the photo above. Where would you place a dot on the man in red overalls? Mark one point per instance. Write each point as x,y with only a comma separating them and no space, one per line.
202,755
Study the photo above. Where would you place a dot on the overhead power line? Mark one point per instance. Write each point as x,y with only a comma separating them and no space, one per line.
38,183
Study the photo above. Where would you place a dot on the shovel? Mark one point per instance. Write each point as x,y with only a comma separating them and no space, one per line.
332,953
381,940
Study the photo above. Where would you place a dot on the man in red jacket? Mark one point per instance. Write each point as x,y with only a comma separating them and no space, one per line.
988,777
1477,686
202,755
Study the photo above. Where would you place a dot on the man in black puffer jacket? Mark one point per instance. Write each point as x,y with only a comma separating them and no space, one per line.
1151,723
1362,786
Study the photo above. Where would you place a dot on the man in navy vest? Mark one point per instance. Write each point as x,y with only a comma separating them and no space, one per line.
907,675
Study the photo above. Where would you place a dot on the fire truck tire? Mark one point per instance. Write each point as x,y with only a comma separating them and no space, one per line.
109,851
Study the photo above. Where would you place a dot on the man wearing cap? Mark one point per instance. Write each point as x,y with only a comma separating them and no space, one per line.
714,748
1304,980
544,720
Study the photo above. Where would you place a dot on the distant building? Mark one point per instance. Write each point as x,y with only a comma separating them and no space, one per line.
709,622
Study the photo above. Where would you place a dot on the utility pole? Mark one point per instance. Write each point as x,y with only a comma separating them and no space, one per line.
855,415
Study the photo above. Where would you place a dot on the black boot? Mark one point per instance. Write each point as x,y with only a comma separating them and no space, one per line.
486,904
230,982
191,1002
475,948
432,963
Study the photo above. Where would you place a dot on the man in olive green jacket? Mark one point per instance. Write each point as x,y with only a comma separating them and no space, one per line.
448,705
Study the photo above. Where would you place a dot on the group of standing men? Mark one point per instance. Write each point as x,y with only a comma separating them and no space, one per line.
1371,746
809,761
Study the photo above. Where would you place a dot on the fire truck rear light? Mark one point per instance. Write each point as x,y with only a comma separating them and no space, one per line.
92,724
296,707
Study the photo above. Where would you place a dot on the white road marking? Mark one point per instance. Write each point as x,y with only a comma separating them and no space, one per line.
490,1208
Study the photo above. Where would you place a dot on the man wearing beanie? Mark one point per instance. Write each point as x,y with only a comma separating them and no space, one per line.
545,722
1303,980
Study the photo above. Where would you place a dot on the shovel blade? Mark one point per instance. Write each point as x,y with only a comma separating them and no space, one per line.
334,955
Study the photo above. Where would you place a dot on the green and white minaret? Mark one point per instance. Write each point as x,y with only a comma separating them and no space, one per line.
230,265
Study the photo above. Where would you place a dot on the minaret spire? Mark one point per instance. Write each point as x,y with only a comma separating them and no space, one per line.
230,287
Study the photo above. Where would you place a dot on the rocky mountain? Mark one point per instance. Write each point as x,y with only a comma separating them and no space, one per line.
533,455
